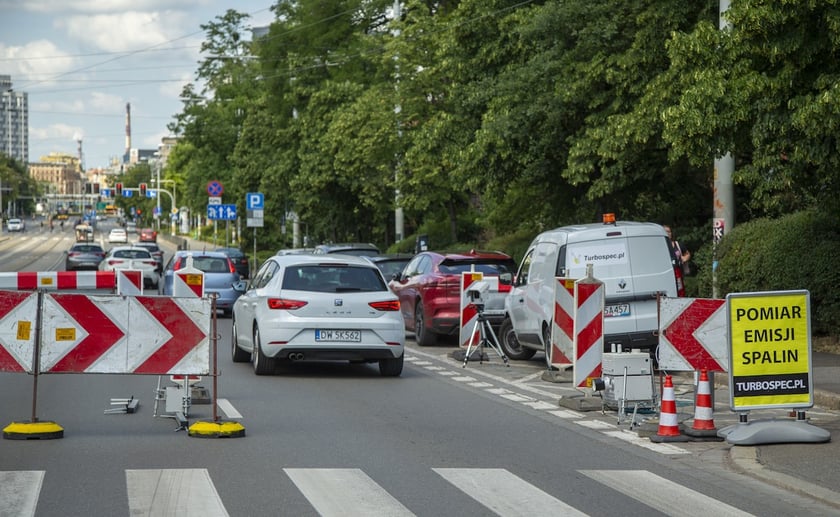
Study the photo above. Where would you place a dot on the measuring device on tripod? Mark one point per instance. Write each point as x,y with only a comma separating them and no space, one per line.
481,328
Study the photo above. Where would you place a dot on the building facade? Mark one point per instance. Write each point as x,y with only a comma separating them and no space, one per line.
14,121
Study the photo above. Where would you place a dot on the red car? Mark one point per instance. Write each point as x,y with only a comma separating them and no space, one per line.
430,296
148,235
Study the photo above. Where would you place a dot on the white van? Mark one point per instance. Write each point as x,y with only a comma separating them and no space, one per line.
635,262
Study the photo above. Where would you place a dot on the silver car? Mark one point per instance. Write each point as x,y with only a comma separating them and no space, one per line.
318,307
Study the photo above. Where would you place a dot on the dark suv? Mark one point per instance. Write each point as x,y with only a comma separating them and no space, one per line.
429,289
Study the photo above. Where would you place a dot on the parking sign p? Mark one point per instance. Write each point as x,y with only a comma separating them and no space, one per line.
254,201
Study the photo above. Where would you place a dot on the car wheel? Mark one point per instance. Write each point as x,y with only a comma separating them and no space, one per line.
423,335
262,365
547,346
391,367
510,344
238,355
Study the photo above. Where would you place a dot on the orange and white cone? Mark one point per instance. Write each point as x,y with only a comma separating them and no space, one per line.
669,429
704,423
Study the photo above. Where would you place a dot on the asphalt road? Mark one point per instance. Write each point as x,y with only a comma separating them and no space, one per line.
338,439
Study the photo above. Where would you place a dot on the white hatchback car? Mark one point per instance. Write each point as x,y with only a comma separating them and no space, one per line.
117,235
132,257
318,307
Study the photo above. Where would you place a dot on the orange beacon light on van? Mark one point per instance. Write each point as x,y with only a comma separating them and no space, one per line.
609,218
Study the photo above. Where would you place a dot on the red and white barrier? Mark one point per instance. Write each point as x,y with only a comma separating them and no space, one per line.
589,330
188,281
105,334
57,280
469,314
562,330
129,282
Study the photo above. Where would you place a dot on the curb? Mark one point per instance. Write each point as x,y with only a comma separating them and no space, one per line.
745,460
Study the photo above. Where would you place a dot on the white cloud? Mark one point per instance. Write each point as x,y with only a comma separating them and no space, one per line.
126,31
91,6
35,61
59,132
173,90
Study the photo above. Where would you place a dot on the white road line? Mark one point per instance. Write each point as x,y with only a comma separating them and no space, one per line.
505,493
340,492
568,414
19,492
528,378
596,424
227,408
173,492
661,494
541,405
635,439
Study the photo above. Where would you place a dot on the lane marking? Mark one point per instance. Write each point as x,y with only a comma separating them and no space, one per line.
227,408
661,494
339,492
635,439
173,492
504,493
19,492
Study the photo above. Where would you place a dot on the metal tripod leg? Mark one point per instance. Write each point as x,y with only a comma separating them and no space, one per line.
475,328
494,344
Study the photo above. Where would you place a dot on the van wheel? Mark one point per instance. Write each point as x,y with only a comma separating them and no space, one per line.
423,335
510,344
547,346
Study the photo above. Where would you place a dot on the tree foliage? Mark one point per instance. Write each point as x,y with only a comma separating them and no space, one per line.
503,117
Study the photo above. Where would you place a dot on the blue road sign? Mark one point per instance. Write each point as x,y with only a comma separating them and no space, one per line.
128,193
221,212
255,201
105,192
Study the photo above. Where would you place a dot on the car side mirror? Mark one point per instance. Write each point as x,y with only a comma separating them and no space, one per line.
240,286
506,278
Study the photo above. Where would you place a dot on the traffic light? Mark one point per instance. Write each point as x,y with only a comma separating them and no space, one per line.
142,190
118,189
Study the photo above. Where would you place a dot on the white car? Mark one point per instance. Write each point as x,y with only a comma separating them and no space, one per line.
14,225
132,257
318,307
118,235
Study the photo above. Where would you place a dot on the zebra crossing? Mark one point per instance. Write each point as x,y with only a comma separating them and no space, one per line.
350,491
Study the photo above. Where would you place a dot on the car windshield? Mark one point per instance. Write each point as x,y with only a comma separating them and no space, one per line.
211,264
488,268
87,248
132,254
332,279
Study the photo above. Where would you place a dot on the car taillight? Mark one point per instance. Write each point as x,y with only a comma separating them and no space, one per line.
72,254
231,267
284,303
114,262
678,276
387,305
150,262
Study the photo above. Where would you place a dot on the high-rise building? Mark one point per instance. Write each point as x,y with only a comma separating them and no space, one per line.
14,121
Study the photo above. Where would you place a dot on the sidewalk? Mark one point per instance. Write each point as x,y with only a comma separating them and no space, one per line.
807,468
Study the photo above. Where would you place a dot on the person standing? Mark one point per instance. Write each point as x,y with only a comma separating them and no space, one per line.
682,255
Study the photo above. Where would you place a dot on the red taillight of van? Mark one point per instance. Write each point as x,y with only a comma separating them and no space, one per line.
678,276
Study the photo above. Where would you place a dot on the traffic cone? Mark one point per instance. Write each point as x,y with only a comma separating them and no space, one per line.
669,429
704,424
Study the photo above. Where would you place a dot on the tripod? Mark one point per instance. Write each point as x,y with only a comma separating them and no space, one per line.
482,325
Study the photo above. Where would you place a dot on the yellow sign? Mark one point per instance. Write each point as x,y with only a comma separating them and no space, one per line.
24,330
770,350
191,279
47,280
65,334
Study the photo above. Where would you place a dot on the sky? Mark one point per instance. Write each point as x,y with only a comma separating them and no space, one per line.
81,61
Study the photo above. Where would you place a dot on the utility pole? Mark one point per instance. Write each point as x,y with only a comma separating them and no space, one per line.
724,204
399,217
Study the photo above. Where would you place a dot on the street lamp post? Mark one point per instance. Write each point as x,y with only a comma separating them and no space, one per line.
172,198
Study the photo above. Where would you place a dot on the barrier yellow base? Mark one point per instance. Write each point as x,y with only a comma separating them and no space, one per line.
33,431
217,430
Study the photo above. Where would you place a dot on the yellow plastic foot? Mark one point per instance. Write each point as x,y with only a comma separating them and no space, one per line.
33,431
217,430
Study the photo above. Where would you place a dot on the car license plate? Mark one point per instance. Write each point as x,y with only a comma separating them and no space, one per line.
621,309
338,335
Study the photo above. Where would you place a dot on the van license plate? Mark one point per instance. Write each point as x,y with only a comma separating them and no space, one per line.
621,309
353,336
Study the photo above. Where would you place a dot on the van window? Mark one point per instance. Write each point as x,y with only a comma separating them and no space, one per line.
544,253
524,269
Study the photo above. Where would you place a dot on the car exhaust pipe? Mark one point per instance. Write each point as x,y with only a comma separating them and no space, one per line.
296,356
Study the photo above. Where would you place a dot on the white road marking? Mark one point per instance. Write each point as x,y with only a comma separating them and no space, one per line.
173,492
340,492
635,439
661,494
227,408
505,493
19,492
